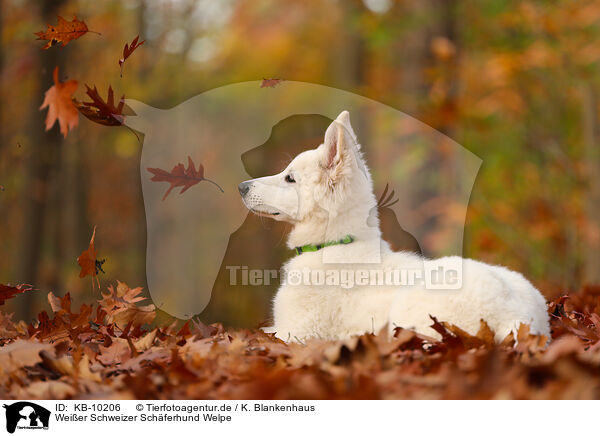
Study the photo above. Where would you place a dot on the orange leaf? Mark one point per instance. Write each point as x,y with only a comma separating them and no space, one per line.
87,259
60,105
181,176
64,31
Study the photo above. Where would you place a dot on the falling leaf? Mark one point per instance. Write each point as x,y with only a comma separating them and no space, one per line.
128,50
181,176
60,105
7,291
88,262
87,259
270,83
100,111
64,31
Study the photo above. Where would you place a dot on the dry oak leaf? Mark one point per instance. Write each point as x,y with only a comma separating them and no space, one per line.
181,176
89,263
7,291
8,329
59,100
87,259
66,365
22,353
121,309
48,390
100,111
116,353
64,31
128,50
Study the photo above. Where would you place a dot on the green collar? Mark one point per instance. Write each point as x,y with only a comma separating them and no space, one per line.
316,247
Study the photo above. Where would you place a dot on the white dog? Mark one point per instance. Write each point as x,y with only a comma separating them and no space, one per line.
327,195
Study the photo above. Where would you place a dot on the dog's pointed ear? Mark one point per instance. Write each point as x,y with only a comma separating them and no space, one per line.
333,146
344,119
338,144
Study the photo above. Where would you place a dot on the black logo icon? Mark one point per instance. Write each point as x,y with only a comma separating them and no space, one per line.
26,415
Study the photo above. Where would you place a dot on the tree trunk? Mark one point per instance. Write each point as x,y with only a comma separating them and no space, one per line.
44,157
591,238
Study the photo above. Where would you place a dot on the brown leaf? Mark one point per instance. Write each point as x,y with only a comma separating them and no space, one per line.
8,329
49,390
87,259
146,341
270,83
118,352
128,50
7,291
21,353
67,365
64,32
100,111
121,309
59,100
60,304
181,176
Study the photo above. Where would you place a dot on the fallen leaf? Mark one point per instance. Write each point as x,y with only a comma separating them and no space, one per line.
121,309
65,365
146,341
49,390
60,304
181,176
58,99
116,353
22,353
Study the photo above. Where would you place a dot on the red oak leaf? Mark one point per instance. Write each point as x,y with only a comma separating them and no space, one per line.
7,291
181,176
128,50
100,111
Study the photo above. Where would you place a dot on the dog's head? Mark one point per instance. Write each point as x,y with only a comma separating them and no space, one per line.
317,184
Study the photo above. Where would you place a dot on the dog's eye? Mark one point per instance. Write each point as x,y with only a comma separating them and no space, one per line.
289,179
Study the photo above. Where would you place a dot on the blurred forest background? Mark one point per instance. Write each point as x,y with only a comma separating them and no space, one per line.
514,81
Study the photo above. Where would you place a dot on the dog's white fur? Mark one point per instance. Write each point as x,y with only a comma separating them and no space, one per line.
328,195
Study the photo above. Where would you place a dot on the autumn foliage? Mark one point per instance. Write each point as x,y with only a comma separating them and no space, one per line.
519,89
116,349
59,100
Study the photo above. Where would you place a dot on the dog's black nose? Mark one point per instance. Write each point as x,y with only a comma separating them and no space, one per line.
244,187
